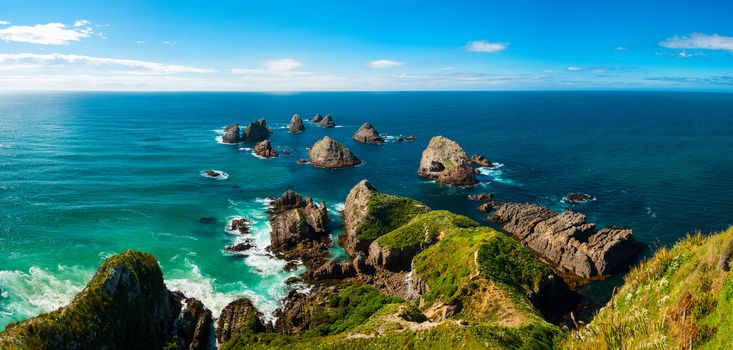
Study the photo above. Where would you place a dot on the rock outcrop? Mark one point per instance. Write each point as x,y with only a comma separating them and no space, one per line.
264,149
368,134
567,241
256,131
126,305
238,224
446,162
369,214
238,318
330,154
299,228
316,118
327,122
481,197
577,198
231,134
479,160
296,124
195,326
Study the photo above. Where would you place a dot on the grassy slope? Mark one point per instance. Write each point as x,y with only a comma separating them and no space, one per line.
423,229
386,213
678,299
477,267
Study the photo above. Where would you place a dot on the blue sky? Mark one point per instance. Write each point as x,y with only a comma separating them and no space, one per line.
368,45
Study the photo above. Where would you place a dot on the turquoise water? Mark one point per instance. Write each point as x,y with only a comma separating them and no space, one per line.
87,175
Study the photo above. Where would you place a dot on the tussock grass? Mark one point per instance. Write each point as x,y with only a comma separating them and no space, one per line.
678,299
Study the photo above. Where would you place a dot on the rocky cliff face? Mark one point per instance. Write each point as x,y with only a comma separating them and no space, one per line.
296,124
194,326
368,134
256,131
446,162
264,149
231,134
238,318
299,228
125,306
566,240
328,153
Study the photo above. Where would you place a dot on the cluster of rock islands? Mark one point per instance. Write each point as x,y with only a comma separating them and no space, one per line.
411,269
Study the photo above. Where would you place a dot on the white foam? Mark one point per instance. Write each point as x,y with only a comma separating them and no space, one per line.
339,207
4,146
495,174
27,294
222,175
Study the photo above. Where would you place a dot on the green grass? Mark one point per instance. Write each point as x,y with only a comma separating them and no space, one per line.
386,213
503,260
424,229
484,272
678,299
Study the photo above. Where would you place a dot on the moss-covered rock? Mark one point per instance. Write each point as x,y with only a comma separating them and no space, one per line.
369,214
125,306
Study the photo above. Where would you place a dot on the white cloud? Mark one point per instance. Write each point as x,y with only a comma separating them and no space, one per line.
681,54
485,46
2,23
380,64
619,48
32,60
81,23
699,41
168,42
574,69
140,42
279,67
548,70
448,68
46,34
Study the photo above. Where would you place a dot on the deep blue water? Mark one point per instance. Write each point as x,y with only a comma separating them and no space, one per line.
86,175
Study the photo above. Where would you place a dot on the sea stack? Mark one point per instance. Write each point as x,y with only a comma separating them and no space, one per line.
256,131
446,162
296,124
368,134
316,118
327,122
299,229
231,134
478,159
264,149
328,153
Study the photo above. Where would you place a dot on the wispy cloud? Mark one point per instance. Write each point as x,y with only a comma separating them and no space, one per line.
47,34
2,23
619,48
574,69
32,60
681,54
699,41
379,64
485,46
168,42
279,67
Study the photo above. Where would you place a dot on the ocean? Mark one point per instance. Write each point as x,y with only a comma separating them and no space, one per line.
86,175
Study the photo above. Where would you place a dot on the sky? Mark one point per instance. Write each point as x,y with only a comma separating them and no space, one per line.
366,45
